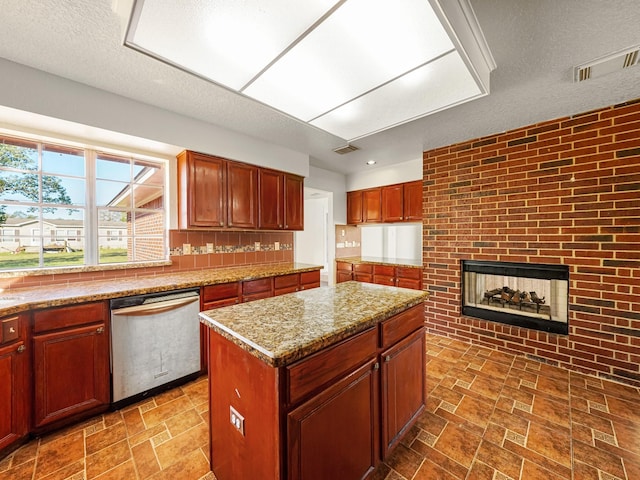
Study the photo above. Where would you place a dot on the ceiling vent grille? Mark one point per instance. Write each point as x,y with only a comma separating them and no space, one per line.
345,149
607,64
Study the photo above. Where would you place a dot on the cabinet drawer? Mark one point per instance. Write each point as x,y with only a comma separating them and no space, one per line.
386,270
224,291
9,330
344,266
363,268
257,286
310,278
73,315
399,326
284,281
406,272
320,369
225,302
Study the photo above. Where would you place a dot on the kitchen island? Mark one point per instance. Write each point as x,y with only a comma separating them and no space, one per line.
316,384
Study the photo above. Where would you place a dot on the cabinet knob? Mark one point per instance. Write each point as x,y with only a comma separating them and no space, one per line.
21,349
100,330
376,366
387,358
12,330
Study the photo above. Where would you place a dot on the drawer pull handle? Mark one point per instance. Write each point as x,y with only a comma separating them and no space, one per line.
376,366
100,330
387,358
21,349
12,330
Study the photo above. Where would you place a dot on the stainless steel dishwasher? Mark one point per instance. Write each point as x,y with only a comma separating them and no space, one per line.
155,343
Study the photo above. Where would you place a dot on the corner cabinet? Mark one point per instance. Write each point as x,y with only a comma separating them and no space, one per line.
71,363
281,200
15,393
217,193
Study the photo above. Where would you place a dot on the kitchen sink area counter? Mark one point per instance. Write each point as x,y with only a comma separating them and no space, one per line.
22,299
335,372
394,262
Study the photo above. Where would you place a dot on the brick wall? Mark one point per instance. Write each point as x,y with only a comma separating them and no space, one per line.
566,191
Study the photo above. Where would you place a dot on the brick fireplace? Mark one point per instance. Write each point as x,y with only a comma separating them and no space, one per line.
563,192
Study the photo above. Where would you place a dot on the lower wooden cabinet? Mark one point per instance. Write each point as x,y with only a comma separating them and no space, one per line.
344,272
215,296
392,275
342,419
71,363
15,397
403,396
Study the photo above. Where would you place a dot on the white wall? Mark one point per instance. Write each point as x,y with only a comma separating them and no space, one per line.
335,183
376,177
312,244
35,91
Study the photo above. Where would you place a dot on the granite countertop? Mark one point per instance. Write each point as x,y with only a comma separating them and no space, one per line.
18,300
396,262
280,330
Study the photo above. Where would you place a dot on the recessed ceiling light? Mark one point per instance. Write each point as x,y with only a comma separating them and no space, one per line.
333,64
371,162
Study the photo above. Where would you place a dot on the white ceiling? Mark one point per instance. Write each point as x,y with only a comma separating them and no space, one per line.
535,44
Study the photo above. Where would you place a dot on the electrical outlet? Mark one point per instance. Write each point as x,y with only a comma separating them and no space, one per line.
236,420
276,246
209,247
186,249
257,245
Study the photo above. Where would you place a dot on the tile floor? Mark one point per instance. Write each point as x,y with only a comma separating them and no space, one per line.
489,416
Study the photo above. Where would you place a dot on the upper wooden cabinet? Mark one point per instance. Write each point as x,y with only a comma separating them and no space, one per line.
354,207
242,195
281,202
401,202
201,191
392,203
413,201
215,192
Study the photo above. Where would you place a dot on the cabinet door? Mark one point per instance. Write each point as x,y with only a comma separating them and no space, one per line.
403,388
409,277
293,202
71,369
413,201
371,205
392,203
201,191
341,419
242,195
14,393
271,199
354,207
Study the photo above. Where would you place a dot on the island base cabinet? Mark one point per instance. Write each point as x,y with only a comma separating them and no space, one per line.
343,418
403,393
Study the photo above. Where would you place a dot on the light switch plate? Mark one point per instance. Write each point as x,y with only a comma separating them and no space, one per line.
276,246
257,245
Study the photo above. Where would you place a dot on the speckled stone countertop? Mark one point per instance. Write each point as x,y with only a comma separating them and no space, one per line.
19,300
396,262
280,330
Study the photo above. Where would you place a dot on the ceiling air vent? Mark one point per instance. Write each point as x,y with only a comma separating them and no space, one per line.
607,64
345,149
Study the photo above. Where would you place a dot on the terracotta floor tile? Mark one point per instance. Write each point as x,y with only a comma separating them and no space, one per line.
431,471
145,460
458,444
480,471
599,459
104,438
624,408
531,471
556,411
25,453
75,468
181,445
107,458
121,472
166,410
60,452
582,471
598,423
133,421
502,460
24,471
192,466
198,391
405,461
510,422
487,387
495,369
628,436
435,456
182,422
169,396
556,387
547,463
551,443
475,411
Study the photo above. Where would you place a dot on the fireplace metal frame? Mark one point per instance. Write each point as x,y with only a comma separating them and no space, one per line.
511,317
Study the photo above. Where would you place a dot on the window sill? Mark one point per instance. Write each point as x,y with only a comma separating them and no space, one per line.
83,269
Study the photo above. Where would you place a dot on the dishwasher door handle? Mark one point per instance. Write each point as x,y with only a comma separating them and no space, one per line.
154,308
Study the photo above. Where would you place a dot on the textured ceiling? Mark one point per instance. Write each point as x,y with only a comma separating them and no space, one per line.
535,45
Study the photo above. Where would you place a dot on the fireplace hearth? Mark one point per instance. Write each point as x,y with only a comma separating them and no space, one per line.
534,296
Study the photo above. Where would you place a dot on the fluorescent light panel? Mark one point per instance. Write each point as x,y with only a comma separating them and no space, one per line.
351,68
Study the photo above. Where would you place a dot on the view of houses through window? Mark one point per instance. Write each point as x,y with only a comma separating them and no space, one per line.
64,206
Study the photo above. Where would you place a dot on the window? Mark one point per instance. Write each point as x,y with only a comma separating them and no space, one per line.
62,205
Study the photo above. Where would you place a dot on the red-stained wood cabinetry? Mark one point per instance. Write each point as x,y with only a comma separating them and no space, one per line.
401,202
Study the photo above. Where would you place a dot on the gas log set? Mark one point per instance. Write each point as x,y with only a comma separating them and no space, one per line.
508,296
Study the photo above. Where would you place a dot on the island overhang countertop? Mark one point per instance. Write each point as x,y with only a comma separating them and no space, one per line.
280,330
